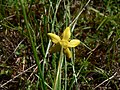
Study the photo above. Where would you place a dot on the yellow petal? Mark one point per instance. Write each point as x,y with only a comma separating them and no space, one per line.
64,43
68,53
74,43
55,48
55,38
66,33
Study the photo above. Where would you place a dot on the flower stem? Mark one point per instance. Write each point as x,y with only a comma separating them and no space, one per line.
58,77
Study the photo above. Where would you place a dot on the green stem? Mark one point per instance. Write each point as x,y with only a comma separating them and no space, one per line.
58,77
65,74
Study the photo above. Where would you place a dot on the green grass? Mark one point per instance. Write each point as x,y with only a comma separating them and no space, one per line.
24,42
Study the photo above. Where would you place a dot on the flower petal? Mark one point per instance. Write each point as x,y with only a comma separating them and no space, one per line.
64,43
55,38
55,48
66,33
74,43
68,53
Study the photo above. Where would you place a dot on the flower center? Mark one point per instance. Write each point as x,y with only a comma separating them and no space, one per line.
64,43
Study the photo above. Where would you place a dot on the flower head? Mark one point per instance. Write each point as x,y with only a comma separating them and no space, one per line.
64,42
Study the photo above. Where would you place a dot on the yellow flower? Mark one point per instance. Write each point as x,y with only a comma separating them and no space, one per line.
64,42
